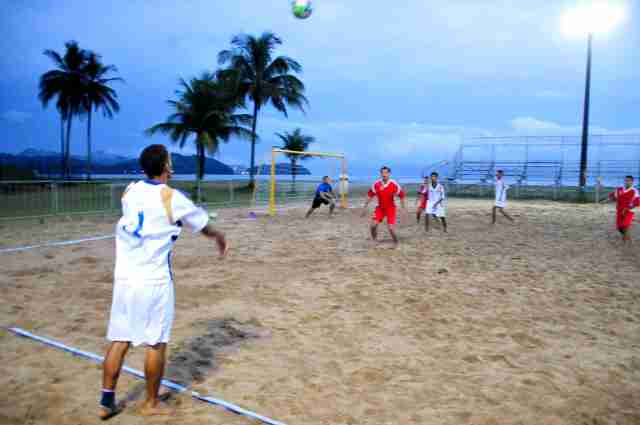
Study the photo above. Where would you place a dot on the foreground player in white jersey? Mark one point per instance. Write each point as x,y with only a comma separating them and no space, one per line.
501,197
153,215
436,203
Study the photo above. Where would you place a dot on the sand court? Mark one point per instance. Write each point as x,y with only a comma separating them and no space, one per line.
307,321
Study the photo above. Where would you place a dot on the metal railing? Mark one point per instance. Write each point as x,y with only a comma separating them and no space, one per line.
21,199
547,160
34,199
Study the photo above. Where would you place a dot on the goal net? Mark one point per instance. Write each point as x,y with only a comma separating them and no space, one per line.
290,178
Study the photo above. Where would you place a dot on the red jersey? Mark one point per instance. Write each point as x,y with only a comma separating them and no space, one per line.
625,198
386,193
423,190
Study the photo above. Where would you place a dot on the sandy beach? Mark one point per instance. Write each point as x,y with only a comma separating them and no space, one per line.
309,322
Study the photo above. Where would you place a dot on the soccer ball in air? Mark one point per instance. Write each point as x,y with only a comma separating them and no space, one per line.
301,9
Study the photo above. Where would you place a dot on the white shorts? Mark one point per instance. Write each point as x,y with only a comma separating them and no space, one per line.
501,204
440,211
141,313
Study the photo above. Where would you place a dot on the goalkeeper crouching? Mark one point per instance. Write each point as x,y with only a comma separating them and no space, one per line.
324,196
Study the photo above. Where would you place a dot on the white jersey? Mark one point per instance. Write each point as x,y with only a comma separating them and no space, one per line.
152,217
436,202
501,193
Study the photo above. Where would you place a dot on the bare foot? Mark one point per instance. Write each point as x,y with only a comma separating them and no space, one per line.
160,409
105,412
223,247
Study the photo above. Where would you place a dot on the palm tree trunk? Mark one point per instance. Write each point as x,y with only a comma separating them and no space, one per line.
89,144
67,151
252,171
62,154
201,159
293,174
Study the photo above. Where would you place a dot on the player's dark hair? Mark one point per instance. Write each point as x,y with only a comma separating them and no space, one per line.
385,168
629,177
325,177
500,171
434,174
153,160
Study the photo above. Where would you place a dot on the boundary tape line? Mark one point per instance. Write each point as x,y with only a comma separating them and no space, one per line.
171,385
58,243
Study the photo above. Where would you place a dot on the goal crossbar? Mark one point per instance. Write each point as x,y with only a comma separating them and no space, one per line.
333,155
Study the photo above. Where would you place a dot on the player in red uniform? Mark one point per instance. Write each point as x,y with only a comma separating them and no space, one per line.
385,189
423,197
626,199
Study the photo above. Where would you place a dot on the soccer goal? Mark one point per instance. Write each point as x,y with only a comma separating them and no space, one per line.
287,180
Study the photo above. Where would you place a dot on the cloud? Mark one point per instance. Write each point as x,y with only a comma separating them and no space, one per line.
536,127
16,117
411,144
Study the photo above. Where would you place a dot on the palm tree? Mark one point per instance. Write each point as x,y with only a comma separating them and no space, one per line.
98,95
262,79
205,109
66,83
298,142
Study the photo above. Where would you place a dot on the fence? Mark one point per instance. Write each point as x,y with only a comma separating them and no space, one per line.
546,160
40,199
21,199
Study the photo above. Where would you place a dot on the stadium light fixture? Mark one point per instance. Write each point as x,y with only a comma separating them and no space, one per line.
595,17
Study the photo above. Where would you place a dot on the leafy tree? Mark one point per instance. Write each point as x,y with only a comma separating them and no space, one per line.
262,79
65,83
298,142
204,113
98,96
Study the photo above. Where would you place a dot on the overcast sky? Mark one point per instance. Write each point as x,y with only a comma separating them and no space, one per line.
389,82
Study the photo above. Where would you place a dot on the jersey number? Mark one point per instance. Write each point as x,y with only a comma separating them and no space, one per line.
136,231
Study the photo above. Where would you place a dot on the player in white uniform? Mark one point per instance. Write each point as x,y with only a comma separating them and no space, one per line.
436,206
153,215
501,197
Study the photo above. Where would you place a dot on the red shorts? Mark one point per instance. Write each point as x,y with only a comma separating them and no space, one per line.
624,221
390,213
423,204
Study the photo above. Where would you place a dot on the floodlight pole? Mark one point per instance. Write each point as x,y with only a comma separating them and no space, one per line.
585,119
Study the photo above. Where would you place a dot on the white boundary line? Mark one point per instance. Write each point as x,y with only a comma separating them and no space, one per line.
100,238
172,385
59,243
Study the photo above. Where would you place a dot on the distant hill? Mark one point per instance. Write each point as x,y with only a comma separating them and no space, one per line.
282,168
46,164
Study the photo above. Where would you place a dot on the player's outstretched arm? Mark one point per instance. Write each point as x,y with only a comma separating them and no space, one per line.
403,200
611,197
212,233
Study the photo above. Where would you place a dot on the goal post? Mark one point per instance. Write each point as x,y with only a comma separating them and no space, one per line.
343,178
